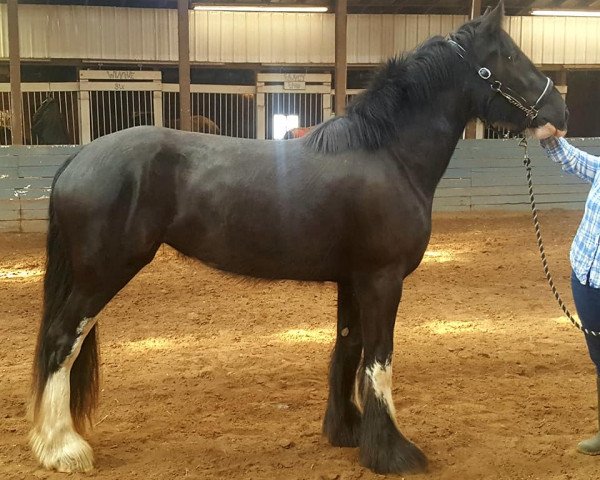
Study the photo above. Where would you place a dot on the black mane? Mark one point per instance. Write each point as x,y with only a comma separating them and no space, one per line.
402,84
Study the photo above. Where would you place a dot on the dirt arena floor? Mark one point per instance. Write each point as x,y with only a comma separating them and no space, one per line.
208,376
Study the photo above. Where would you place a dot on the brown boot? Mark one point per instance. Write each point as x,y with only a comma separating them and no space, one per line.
591,446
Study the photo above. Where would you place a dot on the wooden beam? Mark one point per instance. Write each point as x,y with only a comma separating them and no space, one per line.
524,8
15,73
475,9
341,59
183,30
471,128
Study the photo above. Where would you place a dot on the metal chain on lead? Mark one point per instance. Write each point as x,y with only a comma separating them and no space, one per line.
538,234
530,113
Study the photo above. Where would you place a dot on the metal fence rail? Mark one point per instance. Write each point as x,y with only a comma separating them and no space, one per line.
308,107
112,100
290,102
103,102
218,109
69,108
111,111
34,94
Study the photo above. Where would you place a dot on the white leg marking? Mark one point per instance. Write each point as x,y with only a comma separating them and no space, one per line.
54,441
380,377
357,398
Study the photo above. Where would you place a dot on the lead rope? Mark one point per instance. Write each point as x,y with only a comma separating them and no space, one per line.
527,162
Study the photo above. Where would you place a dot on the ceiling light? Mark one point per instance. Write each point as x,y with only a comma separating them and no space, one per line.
566,13
260,8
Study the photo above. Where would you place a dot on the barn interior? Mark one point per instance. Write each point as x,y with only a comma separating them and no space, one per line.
207,375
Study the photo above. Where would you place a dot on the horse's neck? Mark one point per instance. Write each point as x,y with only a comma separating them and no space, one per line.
432,137
428,142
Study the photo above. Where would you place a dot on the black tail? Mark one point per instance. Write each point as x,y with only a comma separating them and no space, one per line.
58,283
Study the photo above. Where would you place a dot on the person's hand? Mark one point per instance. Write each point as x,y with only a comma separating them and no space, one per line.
545,131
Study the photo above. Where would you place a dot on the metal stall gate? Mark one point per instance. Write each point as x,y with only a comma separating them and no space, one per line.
219,109
5,115
65,96
285,101
113,100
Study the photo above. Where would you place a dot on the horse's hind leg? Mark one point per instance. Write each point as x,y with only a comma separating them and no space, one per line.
66,384
66,364
341,425
54,439
383,448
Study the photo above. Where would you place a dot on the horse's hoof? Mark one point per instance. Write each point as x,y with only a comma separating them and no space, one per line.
344,431
348,438
343,435
398,457
67,452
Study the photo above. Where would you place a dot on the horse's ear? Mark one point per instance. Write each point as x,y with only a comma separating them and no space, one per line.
492,20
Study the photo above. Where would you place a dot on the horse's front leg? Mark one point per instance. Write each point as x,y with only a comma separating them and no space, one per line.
341,425
383,448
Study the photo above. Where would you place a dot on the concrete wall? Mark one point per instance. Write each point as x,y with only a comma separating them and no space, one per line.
482,175
489,175
25,179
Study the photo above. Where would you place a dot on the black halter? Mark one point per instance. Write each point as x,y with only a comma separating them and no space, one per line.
513,97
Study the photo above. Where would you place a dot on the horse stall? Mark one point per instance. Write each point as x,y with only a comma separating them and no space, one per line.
113,100
291,100
217,109
57,108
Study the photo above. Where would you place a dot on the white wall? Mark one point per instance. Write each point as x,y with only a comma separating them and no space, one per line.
150,35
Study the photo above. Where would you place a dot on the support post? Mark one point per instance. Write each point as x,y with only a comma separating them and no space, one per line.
261,128
85,125
475,9
183,30
327,104
157,103
16,116
561,83
341,59
472,129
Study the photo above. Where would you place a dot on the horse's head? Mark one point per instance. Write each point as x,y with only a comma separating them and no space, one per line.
508,90
48,124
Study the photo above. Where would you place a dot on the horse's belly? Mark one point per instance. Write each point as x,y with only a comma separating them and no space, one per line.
262,253
274,266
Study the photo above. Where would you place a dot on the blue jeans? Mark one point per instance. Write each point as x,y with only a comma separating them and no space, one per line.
587,301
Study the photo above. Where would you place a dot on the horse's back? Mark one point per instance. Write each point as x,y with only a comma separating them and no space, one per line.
145,153
146,181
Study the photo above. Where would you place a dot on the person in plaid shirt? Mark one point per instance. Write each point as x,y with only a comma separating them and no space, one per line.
585,256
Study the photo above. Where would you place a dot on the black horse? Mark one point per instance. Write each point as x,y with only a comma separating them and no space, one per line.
349,203
49,125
